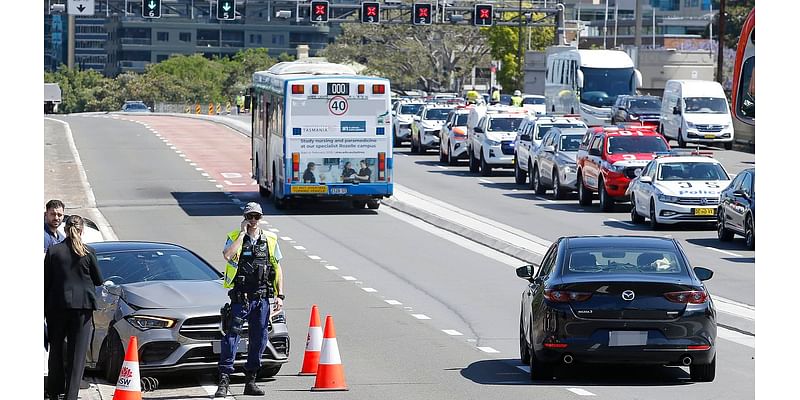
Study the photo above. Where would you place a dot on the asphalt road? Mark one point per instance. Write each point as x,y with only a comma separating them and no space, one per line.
399,289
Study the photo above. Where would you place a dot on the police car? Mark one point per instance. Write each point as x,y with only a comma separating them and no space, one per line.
677,188
453,136
490,142
403,112
426,126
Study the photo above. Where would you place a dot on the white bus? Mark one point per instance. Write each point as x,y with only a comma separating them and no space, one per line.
321,131
587,82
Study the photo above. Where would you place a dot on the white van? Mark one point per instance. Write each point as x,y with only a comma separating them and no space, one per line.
695,111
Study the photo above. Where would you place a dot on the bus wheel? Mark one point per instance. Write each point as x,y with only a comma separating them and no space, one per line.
359,204
373,204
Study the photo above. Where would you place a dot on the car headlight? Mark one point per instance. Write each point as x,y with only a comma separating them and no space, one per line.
491,142
616,168
667,199
569,169
633,117
144,322
689,124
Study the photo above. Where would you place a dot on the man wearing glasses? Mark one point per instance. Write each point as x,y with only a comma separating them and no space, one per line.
253,273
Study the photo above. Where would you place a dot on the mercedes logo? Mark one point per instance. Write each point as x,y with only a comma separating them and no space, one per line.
628,295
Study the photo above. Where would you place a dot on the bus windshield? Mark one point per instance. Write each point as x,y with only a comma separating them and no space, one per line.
601,86
706,105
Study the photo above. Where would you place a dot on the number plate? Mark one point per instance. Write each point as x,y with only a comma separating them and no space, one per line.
627,338
703,211
340,88
710,136
338,190
216,347
310,189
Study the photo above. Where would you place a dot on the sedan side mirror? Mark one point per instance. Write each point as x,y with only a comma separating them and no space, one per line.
595,152
112,288
703,273
645,179
526,271
741,193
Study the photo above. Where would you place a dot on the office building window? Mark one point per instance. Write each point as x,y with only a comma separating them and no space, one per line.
162,36
258,39
185,36
161,57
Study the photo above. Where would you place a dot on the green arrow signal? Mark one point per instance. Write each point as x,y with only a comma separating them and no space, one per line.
226,6
152,4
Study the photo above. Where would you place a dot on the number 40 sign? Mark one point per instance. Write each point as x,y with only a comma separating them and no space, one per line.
337,105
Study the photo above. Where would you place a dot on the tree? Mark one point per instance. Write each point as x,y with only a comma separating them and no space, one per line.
84,90
504,41
736,12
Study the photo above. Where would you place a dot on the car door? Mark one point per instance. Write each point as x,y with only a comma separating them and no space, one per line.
546,158
522,146
591,168
741,203
535,299
727,199
444,133
478,137
643,191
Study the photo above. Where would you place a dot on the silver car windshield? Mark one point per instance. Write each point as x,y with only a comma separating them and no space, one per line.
624,261
570,142
153,265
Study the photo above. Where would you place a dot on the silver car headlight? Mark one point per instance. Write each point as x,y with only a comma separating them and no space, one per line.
145,322
667,199
569,169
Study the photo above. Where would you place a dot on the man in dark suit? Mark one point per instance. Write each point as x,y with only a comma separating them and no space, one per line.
70,276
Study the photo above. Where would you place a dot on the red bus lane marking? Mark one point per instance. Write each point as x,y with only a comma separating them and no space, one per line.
222,153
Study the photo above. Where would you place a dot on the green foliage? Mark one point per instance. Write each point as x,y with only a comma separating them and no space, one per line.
736,11
84,90
504,41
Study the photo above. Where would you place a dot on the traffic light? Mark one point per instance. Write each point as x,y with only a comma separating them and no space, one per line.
423,14
371,12
482,16
151,8
226,9
319,11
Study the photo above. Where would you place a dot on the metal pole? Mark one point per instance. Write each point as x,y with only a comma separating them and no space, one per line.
721,30
637,31
192,11
71,41
605,25
519,47
710,26
654,27
107,14
616,15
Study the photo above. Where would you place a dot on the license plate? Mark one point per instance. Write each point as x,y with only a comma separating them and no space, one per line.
310,189
338,190
627,338
710,136
703,211
216,347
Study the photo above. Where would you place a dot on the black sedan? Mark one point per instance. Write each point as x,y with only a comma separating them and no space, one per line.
737,209
170,298
617,299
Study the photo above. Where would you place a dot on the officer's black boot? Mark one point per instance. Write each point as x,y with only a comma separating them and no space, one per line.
250,387
224,381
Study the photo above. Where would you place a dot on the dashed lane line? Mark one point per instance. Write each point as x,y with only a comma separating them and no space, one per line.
315,257
724,252
452,332
369,290
393,302
487,349
349,278
299,247
420,316
581,392
331,267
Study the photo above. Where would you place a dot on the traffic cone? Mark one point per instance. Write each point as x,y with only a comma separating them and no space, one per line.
129,384
330,373
313,344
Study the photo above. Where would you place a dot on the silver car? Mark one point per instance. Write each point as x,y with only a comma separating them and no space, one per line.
170,299
554,165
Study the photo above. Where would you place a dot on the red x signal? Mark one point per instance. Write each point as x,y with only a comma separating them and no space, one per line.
320,10
372,11
423,12
484,14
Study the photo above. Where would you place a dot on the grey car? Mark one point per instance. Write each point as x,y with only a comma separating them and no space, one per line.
170,299
554,162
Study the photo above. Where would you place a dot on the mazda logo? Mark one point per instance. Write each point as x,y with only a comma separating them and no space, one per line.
628,295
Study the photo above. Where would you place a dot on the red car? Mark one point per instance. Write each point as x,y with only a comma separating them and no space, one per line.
609,159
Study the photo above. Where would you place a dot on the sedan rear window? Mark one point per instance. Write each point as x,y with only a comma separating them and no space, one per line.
627,261
153,265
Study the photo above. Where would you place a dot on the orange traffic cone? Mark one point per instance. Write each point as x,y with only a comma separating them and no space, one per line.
330,373
129,383
313,344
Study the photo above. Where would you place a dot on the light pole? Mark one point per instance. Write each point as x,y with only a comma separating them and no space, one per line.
605,26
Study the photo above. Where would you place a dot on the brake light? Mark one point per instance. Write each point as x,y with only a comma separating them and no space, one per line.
563,296
381,166
295,167
314,89
378,89
360,88
298,89
687,297
555,345
699,347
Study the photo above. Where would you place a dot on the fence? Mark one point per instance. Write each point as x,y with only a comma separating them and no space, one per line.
205,108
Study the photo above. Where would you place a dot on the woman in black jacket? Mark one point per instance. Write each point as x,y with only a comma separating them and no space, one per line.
70,276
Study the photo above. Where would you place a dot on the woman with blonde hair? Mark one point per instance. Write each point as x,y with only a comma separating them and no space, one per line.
70,276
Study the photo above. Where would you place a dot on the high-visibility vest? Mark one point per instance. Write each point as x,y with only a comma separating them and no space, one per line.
516,101
496,95
232,266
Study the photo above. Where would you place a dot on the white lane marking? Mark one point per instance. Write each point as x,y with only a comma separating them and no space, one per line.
420,316
210,389
724,252
580,392
205,174
182,155
734,307
618,221
487,349
231,175
394,302
543,198
219,186
188,160
193,164
299,247
273,230
212,180
178,152
441,167
736,337
331,267
484,180
198,169
286,238
459,240
349,278
525,368
452,332
369,290
173,147
105,228
315,257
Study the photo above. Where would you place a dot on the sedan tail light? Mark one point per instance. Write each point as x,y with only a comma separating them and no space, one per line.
563,296
688,297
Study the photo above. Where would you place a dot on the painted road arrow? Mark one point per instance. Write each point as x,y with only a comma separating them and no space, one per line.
81,8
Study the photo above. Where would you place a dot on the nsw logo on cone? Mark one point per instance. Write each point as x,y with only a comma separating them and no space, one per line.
313,344
128,384
330,372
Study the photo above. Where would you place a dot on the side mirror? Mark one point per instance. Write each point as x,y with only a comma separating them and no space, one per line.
703,273
579,79
112,288
645,179
525,137
595,152
549,149
526,271
676,110
741,193
477,129
637,172
449,125
416,118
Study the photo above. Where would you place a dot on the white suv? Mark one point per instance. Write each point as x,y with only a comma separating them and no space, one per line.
403,117
490,143
426,127
529,137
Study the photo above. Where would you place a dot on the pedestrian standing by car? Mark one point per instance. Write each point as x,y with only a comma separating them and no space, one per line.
253,274
70,276
53,216
495,96
516,99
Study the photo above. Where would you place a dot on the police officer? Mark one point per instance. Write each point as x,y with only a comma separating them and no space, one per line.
516,99
495,95
253,273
